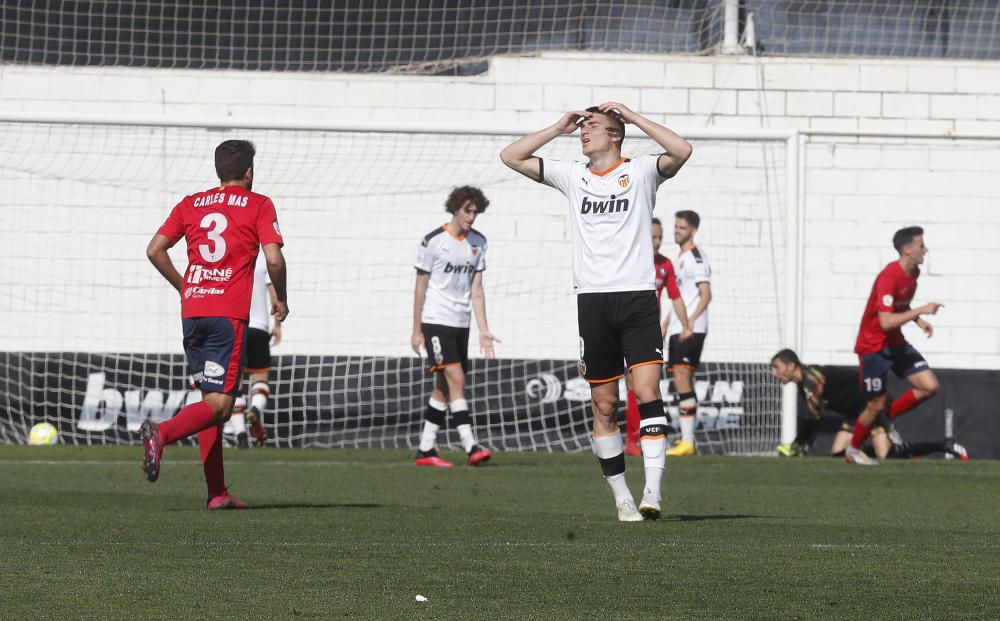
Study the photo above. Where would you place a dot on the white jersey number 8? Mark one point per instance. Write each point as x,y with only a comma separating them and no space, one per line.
216,223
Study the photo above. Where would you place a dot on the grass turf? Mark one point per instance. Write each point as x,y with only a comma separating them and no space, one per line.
360,533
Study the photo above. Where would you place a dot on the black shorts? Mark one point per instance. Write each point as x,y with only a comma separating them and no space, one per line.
258,350
686,353
615,327
904,361
446,345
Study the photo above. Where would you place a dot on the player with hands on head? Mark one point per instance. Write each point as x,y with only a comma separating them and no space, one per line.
611,200
224,228
449,289
881,346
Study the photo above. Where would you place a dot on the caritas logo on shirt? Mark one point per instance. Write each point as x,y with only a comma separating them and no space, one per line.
199,273
200,292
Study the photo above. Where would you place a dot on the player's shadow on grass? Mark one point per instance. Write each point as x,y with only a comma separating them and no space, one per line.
315,505
707,518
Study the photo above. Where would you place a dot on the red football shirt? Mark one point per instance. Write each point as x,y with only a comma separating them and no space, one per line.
892,293
665,277
224,228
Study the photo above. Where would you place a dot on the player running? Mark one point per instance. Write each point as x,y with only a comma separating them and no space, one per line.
260,337
694,278
881,346
223,227
665,279
450,264
836,390
611,200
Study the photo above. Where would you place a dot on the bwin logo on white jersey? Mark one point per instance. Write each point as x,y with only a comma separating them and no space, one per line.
609,206
459,269
546,388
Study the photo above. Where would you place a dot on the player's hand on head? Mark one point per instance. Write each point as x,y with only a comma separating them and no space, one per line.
620,110
572,120
279,310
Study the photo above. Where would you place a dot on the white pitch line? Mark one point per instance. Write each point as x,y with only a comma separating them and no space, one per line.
464,544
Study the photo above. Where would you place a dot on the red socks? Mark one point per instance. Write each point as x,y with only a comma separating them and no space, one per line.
906,402
198,418
632,421
210,445
861,434
189,421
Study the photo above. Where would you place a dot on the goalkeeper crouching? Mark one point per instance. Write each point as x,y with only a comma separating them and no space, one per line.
835,391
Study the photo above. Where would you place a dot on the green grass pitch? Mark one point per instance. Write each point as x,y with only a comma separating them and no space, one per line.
361,533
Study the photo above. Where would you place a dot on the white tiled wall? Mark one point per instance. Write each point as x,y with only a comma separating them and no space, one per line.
857,193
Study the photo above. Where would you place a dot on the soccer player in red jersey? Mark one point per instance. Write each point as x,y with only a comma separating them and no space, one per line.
881,346
224,227
665,279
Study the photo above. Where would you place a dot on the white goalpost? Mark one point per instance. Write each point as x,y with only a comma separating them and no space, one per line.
93,335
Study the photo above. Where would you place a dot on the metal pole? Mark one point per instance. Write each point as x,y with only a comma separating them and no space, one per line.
789,398
730,26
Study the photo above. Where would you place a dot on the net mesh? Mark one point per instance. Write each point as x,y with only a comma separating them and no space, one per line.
448,37
920,28
81,202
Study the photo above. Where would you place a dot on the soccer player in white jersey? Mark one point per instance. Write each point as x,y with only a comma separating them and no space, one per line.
611,200
450,264
694,277
260,337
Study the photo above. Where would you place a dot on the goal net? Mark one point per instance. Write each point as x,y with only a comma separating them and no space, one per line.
92,334
449,37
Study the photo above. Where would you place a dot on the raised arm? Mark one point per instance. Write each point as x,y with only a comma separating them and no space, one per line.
419,294
677,150
156,252
890,321
486,337
278,272
520,154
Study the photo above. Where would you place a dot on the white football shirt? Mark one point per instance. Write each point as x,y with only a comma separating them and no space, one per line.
611,216
691,268
452,262
260,304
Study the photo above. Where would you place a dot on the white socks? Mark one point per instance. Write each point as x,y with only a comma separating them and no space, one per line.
612,458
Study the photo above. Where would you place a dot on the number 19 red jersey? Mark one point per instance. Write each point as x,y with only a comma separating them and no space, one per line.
224,228
892,293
